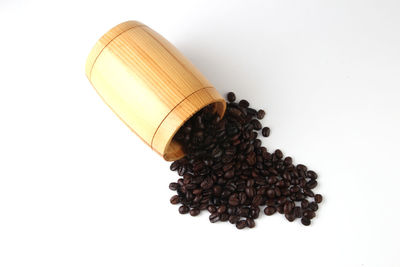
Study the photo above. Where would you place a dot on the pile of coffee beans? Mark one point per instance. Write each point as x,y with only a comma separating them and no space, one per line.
228,172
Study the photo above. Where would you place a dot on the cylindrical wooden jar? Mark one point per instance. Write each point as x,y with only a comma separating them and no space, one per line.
149,84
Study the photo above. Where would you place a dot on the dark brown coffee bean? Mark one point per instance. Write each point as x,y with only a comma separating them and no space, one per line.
250,192
194,212
257,200
308,192
311,184
212,209
290,217
260,114
266,131
250,223
312,175
231,97
271,193
301,167
174,186
309,214
278,153
241,224
269,210
305,221
175,199
183,209
214,217
223,217
233,219
313,206
288,207
304,203
244,103
234,200
318,198
221,209
297,212
174,166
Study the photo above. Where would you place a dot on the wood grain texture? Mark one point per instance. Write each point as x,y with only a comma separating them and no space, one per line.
149,84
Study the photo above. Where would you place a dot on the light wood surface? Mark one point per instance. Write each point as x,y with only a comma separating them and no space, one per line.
149,84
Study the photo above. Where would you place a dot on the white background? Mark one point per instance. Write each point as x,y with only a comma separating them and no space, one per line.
78,188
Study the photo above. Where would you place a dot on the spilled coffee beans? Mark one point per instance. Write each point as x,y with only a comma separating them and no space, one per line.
228,172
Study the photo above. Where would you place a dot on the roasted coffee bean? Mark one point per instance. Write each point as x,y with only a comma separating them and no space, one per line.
304,203
269,210
265,131
290,217
288,206
234,200
250,223
194,212
311,184
231,97
214,217
260,114
227,171
318,198
212,209
278,153
221,209
313,206
312,175
241,224
183,209
309,214
233,219
224,217
174,186
244,103
305,221
174,199
297,212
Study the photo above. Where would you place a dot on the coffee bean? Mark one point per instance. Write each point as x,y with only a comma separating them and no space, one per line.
269,210
290,217
241,224
260,114
224,217
231,97
194,212
174,199
212,209
183,209
309,214
305,221
312,175
244,103
214,217
234,200
288,206
278,154
250,223
311,184
304,203
313,206
174,186
265,131
297,212
318,198
221,209
233,219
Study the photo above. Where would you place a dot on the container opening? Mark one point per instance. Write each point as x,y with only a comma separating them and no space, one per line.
174,150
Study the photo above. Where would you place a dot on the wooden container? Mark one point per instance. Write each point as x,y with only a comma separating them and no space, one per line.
149,84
